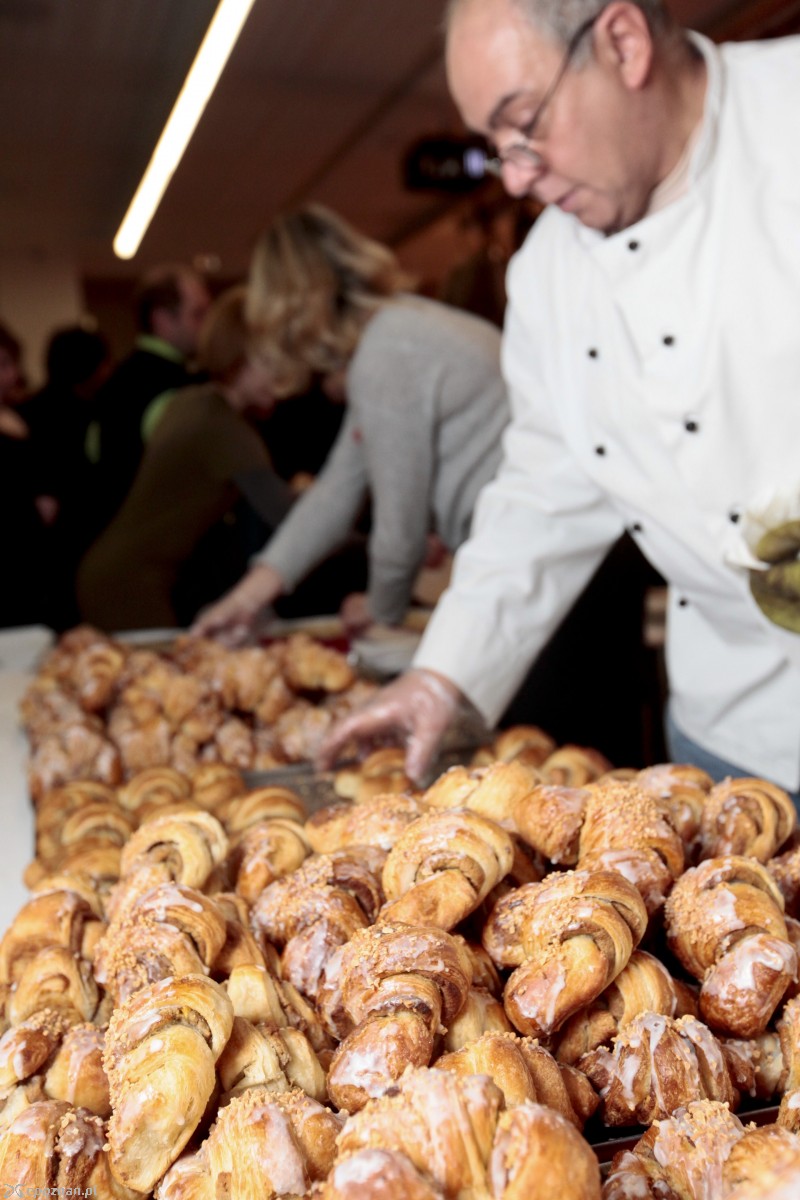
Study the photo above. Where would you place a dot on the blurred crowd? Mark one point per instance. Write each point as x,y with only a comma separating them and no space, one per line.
303,443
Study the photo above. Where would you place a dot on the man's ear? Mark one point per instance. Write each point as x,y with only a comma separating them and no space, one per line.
624,43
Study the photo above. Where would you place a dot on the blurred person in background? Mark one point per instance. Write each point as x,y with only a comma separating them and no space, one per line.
77,364
23,553
12,381
204,456
426,407
652,354
171,302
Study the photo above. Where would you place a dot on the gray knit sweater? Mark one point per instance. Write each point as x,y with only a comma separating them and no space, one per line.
426,410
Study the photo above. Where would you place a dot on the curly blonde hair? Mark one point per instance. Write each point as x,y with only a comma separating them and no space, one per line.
314,283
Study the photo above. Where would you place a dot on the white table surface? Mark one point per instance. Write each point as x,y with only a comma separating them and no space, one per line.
19,653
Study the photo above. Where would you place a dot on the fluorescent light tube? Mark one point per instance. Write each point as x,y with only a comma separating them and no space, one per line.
215,49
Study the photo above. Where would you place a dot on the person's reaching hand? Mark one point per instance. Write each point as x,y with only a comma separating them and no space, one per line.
416,708
233,619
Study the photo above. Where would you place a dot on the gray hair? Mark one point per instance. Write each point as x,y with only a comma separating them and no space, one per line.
560,19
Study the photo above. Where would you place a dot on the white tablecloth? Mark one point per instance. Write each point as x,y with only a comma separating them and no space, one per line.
16,828
19,653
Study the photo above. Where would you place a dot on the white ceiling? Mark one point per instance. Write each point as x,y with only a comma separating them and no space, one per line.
319,100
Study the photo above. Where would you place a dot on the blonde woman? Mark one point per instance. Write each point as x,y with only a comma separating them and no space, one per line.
426,410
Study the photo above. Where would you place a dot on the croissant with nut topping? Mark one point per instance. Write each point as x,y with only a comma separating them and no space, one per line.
452,1129
76,1073
262,1146
376,822
443,866
169,930
521,1068
704,1152
746,816
658,1065
318,908
643,985
576,933
624,829
724,922
492,791
51,1145
399,985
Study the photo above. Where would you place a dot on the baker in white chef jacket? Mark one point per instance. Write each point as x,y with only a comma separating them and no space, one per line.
652,348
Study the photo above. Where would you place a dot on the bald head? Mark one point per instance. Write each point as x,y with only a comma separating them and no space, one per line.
588,116
559,19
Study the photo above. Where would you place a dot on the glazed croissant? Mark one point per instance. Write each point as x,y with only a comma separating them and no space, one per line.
550,819
399,984
724,922
170,930
526,744
241,812
76,1073
152,789
576,933
681,789
785,870
574,766
262,1146
57,805
492,791
51,1145
56,978
275,1059
457,1138
746,816
317,908
789,1083
381,773
76,750
241,948
160,1055
379,821
443,866
523,1070
703,1152
625,830
27,1047
658,1065
184,847
310,666
266,852
59,918
375,1174
643,985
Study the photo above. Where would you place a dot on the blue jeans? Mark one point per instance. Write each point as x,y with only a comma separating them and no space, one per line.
683,750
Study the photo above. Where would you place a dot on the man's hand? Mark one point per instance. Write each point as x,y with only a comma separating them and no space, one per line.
355,613
777,590
417,708
233,619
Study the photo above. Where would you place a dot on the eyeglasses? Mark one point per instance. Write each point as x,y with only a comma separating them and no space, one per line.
521,154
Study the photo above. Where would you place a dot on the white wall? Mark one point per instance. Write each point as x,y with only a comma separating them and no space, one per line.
38,293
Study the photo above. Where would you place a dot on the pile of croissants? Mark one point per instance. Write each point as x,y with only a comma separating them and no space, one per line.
103,710
427,995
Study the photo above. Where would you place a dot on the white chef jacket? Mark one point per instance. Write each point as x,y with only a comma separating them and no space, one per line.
655,386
